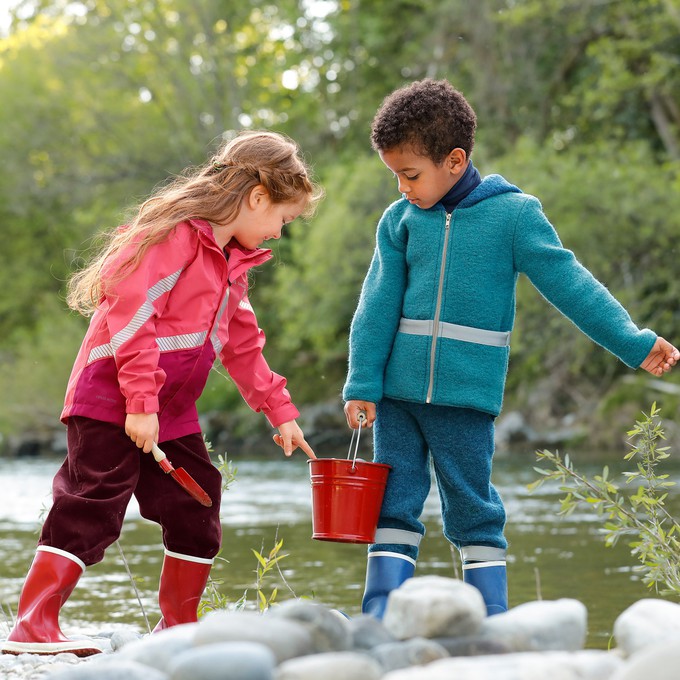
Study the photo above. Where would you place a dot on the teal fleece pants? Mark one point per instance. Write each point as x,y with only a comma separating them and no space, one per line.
458,443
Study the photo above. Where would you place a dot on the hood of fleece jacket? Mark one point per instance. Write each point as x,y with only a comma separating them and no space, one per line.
491,185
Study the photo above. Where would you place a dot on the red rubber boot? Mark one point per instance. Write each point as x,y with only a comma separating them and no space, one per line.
50,580
183,580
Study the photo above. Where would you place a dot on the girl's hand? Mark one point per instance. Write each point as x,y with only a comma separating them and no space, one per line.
662,358
354,408
142,428
290,437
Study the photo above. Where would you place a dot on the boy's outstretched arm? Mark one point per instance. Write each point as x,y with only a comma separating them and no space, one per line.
662,358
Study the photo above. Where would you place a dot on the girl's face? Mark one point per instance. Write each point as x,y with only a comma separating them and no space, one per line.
420,181
261,219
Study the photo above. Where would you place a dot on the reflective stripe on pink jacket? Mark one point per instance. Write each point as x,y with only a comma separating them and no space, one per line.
154,338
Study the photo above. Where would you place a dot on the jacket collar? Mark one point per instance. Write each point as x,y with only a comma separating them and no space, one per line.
239,259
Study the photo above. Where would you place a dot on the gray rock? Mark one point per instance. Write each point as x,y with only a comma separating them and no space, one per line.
286,638
472,646
588,665
67,658
224,661
111,668
368,632
540,626
123,637
329,630
645,623
595,664
434,606
659,661
331,666
413,652
158,650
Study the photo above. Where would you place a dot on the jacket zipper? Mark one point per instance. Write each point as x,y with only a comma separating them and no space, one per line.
438,308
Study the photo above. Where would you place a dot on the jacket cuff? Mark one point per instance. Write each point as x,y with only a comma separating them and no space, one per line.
148,405
283,414
357,392
639,353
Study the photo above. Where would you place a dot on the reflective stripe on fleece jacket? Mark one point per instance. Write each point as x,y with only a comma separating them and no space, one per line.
462,269
153,339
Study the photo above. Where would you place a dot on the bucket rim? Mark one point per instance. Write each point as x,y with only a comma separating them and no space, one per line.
348,461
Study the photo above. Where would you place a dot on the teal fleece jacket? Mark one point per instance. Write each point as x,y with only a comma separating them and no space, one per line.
468,277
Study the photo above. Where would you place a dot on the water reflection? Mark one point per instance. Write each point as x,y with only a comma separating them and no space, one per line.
549,557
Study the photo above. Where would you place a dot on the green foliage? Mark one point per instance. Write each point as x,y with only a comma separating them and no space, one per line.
264,567
228,471
640,517
213,598
316,289
577,103
35,370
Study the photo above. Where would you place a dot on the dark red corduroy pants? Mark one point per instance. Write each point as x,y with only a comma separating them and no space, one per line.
102,470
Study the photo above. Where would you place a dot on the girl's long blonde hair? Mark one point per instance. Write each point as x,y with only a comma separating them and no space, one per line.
213,191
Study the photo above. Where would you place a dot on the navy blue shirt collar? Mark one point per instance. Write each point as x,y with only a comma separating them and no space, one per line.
470,180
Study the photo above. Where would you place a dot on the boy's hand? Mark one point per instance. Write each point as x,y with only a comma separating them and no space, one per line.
290,437
354,408
662,358
142,428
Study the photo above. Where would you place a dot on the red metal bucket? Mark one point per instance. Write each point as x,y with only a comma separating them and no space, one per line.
346,498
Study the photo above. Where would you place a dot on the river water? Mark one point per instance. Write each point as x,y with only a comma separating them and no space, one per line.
549,557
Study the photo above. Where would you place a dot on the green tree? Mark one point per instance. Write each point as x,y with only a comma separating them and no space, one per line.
577,103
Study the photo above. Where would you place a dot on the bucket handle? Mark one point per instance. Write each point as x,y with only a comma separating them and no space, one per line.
356,434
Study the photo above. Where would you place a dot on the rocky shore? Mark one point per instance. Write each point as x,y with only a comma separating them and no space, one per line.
435,628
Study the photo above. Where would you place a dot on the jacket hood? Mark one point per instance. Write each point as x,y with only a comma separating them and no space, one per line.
491,185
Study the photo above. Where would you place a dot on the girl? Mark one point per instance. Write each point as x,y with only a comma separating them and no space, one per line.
167,294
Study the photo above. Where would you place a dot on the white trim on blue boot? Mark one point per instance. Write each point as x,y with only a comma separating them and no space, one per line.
385,571
484,567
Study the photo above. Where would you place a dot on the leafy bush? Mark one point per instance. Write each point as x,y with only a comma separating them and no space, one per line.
641,517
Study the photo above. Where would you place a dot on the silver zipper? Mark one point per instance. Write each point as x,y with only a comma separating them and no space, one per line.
438,308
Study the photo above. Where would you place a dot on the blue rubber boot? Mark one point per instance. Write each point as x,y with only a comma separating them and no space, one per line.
489,576
385,572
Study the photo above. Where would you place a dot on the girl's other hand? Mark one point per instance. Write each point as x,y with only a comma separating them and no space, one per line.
356,407
291,437
662,358
142,428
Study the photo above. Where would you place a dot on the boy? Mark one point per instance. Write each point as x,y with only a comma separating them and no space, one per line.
429,343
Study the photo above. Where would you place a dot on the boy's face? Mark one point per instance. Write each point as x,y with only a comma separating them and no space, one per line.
421,181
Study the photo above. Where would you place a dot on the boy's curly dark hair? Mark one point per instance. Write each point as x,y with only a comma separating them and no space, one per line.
429,115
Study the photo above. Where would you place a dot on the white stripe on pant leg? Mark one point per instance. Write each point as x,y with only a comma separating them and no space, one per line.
384,553
188,558
398,536
482,553
63,553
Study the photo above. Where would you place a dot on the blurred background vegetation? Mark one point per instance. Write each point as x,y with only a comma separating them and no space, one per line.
578,102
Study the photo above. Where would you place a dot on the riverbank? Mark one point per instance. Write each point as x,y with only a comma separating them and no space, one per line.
434,629
242,432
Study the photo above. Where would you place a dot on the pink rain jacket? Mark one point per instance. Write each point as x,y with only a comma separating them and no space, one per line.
154,337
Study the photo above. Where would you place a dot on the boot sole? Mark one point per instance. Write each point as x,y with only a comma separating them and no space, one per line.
50,648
